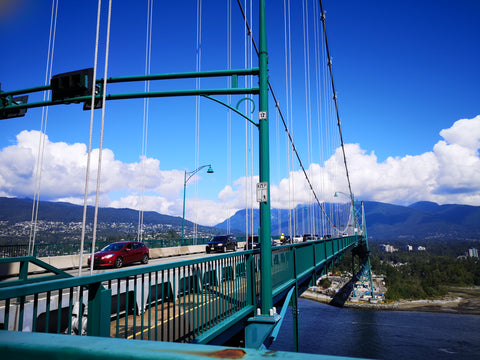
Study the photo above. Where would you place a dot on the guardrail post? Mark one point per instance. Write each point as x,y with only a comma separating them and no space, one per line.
251,283
314,275
99,310
23,271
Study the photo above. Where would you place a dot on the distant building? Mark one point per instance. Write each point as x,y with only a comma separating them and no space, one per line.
387,248
408,248
421,248
473,253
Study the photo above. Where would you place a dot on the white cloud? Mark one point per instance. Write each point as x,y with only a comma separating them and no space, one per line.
64,170
148,203
449,173
226,193
465,133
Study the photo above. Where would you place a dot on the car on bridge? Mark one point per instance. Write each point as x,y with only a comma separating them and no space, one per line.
119,253
308,237
222,243
252,242
297,239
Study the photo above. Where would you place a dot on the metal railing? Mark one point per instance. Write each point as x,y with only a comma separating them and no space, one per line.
51,346
23,264
184,301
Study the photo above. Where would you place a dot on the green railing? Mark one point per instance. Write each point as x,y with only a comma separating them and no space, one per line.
23,266
20,346
184,301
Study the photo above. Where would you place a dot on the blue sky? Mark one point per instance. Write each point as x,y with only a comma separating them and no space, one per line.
406,76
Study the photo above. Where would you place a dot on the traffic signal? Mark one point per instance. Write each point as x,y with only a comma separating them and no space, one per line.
7,113
98,104
72,84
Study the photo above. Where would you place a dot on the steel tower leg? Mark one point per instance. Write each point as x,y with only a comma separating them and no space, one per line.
295,319
262,325
364,229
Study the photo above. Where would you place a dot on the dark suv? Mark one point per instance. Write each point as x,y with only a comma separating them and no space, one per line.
222,243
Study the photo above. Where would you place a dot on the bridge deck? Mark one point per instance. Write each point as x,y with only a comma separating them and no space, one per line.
193,300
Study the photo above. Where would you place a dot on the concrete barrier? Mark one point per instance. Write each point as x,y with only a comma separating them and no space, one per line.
68,262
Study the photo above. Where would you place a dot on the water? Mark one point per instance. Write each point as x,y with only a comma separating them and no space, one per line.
327,330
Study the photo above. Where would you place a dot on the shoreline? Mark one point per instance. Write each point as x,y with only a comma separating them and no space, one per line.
458,301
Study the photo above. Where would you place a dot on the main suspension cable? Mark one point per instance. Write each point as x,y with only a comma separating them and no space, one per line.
335,100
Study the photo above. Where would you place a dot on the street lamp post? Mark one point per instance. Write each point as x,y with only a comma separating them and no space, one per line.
185,180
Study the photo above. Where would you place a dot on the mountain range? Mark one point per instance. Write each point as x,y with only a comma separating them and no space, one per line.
13,210
418,221
421,220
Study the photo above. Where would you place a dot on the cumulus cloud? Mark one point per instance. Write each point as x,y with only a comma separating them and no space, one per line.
154,203
449,173
64,171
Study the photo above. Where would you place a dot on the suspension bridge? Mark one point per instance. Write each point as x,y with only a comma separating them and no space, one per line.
233,302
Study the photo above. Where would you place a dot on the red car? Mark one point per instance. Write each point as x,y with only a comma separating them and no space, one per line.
119,253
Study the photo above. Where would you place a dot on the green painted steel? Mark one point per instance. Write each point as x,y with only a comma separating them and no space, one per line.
23,263
184,75
171,76
264,165
20,346
99,315
233,109
364,231
8,106
260,326
259,329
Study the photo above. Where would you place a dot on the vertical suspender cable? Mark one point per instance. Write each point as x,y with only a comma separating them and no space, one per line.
288,89
229,100
287,129
246,131
277,150
100,150
87,173
43,130
308,116
146,107
250,126
197,105
319,100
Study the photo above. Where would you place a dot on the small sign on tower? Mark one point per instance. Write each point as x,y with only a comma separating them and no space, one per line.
262,192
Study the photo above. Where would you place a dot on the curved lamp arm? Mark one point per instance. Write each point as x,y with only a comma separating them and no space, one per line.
192,173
